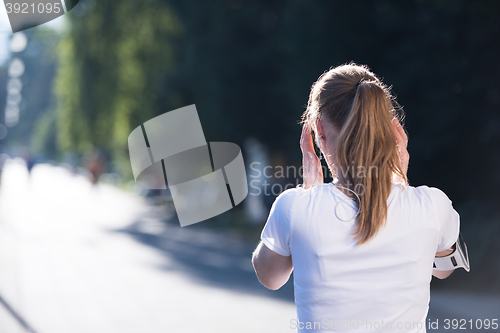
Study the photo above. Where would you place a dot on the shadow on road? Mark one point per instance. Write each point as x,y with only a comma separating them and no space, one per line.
213,257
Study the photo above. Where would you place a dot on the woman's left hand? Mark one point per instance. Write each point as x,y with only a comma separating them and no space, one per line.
312,170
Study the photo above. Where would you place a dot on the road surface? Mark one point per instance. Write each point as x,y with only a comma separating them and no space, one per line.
77,258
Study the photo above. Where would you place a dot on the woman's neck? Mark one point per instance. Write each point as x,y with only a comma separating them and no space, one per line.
344,186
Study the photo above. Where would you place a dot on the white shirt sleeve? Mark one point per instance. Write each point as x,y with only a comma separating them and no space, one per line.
448,219
276,232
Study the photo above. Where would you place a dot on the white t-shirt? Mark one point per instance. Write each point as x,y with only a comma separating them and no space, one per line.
380,286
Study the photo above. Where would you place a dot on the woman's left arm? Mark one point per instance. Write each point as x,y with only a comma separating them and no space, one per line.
443,274
273,270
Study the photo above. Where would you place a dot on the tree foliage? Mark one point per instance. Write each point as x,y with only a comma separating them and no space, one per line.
111,64
248,66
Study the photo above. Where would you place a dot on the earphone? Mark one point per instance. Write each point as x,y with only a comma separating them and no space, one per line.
319,145
336,206
320,158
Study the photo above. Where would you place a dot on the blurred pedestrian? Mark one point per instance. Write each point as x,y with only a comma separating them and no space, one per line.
95,166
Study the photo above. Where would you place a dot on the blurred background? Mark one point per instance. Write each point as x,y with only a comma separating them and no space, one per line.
83,249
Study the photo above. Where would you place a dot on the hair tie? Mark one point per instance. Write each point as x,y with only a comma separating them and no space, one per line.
357,85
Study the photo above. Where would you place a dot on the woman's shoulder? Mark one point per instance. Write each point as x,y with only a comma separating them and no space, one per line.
298,196
426,194
287,197
290,196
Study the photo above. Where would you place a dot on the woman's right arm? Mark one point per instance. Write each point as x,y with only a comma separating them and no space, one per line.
272,269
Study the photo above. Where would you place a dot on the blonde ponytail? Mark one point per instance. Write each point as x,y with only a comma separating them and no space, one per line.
361,107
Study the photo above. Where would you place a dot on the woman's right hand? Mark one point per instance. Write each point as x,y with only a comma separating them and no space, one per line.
311,165
402,144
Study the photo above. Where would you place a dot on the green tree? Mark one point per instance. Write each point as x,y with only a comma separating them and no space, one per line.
110,65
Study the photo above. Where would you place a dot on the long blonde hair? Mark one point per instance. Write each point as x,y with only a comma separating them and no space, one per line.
361,108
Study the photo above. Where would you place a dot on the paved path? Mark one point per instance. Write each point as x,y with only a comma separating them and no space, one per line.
81,259
77,259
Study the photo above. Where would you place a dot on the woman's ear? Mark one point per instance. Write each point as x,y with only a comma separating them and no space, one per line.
320,130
